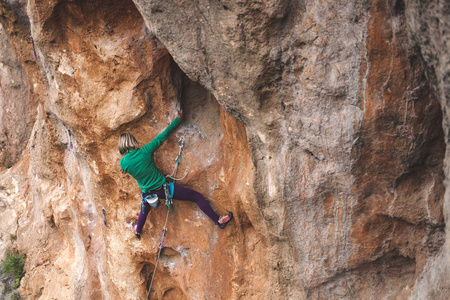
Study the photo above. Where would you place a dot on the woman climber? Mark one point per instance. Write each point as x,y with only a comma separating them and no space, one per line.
139,163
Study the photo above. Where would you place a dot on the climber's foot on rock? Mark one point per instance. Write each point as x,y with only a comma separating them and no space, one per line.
223,221
136,234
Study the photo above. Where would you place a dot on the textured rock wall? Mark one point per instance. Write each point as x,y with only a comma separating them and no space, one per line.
18,106
316,122
429,25
100,72
343,128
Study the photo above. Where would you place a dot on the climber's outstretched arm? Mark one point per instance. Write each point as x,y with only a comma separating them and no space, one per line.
159,140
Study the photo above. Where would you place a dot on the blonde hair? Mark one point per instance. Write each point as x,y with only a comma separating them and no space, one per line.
127,142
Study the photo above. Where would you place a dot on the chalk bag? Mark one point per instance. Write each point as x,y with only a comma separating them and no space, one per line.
153,200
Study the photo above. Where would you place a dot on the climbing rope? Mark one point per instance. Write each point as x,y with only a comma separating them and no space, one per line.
168,190
159,252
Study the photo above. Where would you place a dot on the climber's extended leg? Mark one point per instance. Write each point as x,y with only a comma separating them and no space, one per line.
186,194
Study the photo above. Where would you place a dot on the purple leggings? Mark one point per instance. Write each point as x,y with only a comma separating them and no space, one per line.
179,193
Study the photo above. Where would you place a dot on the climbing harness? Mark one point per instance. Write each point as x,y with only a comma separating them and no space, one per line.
153,200
168,190
34,49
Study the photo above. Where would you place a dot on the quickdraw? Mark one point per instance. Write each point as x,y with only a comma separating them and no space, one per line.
70,138
177,161
168,190
34,49
104,216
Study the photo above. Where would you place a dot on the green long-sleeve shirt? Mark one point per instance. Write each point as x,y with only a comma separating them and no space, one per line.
141,164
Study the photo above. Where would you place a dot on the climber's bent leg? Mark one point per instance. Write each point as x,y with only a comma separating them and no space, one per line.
142,218
185,194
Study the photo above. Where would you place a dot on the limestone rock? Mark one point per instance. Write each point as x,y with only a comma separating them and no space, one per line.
429,25
18,109
344,130
319,124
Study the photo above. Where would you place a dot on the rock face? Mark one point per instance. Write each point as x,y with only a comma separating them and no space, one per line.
429,24
18,106
321,125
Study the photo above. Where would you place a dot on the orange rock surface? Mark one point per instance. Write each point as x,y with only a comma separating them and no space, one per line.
316,123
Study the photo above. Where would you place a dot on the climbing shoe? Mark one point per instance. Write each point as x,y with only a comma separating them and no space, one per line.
223,221
137,235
